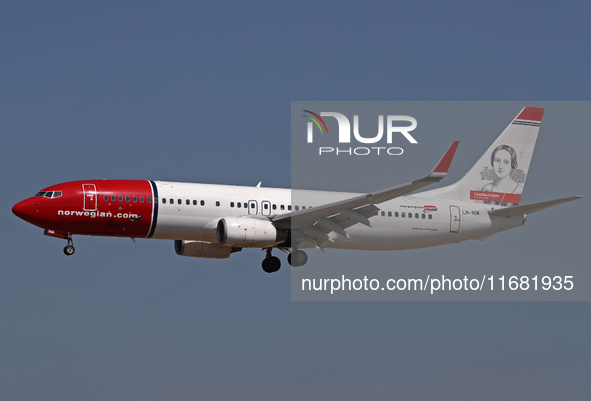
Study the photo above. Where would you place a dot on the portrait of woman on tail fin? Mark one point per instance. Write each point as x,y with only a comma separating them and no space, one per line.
506,179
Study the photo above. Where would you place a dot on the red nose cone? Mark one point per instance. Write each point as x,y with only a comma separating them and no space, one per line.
26,209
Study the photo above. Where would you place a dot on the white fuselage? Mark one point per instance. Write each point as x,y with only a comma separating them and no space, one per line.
191,212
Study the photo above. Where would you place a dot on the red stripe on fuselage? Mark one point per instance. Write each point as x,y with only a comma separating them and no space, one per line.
531,114
78,213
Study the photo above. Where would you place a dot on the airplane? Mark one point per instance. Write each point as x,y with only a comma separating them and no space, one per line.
214,221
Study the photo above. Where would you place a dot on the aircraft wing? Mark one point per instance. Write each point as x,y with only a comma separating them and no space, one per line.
530,208
317,222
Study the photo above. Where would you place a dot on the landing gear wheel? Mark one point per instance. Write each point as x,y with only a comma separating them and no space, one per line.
271,264
297,258
69,250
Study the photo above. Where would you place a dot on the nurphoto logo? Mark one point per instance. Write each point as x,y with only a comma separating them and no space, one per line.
391,127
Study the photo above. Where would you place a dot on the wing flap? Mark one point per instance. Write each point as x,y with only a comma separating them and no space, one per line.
312,215
317,222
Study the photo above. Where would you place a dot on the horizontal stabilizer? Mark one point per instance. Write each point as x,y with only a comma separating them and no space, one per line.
530,208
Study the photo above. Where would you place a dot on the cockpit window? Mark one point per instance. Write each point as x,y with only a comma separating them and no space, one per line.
49,194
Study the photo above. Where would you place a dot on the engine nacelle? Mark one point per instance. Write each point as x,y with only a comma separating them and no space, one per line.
249,232
201,249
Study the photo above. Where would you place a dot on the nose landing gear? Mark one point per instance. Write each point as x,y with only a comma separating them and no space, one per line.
69,249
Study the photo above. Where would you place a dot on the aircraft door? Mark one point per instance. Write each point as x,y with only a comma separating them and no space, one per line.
454,218
252,207
89,197
266,208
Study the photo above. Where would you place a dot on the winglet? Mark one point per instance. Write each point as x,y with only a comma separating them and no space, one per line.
445,162
442,166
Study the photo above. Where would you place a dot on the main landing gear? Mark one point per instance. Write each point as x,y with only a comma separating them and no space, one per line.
271,263
297,258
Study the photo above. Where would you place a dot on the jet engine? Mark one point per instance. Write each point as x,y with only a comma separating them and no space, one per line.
249,232
201,249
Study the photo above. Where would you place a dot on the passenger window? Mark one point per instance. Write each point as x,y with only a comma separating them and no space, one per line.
389,214
383,213
171,201
288,207
239,204
410,215
430,216
303,207
179,201
194,202
282,207
403,214
297,208
423,215
416,215
231,204
163,200
202,203
127,199
217,203
149,200
188,202
266,206
274,207
141,199
113,198
120,198
106,197
135,198
396,214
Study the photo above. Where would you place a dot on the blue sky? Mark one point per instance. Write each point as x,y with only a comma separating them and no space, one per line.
201,93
